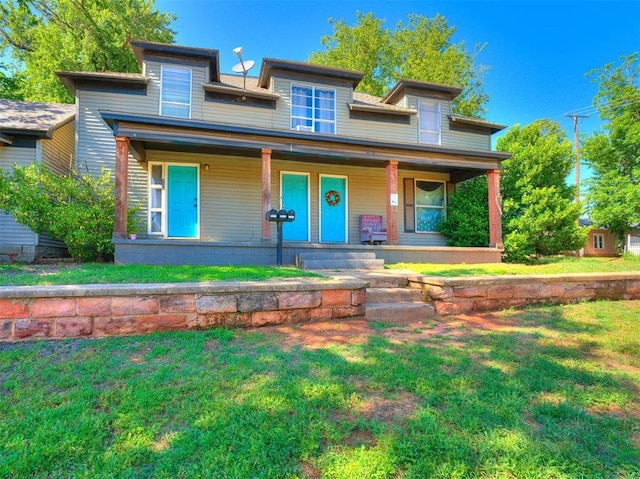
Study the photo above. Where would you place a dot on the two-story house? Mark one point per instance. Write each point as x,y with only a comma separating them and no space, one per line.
206,155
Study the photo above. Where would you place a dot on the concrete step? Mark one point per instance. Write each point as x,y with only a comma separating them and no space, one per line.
336,255
399,312
341,264
386,281
394,295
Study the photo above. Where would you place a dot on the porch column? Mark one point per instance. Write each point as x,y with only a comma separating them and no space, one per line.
266,193
392,202
495,209
122,173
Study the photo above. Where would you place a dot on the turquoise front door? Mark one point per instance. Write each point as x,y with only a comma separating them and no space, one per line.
295,196
333,209
182,201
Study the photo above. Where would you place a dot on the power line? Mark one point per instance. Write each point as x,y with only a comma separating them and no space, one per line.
576,147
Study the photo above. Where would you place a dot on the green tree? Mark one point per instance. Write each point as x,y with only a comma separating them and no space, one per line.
44,36
539,216
613,195
467,220
422,49
77,209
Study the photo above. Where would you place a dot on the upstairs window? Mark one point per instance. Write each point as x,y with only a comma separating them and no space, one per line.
175,92
313,109
429,118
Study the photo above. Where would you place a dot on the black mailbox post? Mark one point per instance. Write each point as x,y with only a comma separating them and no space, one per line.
280,217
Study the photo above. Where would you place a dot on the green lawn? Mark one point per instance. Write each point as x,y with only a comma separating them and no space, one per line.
103,273
540,393
546,266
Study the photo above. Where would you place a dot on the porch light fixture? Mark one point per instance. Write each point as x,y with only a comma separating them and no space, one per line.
206,167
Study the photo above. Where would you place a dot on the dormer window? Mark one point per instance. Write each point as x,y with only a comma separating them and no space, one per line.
429,119
313,109
175,91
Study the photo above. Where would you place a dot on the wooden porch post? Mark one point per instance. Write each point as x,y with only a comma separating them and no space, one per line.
495,209
392,202
266,193
122,173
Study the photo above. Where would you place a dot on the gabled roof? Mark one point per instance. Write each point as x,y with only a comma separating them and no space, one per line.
142,48
269,65
25,118
403,85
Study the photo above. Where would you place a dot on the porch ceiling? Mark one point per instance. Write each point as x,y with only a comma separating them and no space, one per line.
168,134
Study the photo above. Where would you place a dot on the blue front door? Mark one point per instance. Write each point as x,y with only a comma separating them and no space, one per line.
295,196
333,209
182,201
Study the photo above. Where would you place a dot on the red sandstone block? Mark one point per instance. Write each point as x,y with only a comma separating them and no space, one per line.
632,288
486,305
12,309
32,328
471,292
265,318
299,299
575,290
94,306
161,322
114,326
217,303
321,314
53,308
336,297
5,329
237,320
524,291
126,305
72,327
206,320
250,302
348,311
447,308
178,303
358,296
551,291
501,291
438,292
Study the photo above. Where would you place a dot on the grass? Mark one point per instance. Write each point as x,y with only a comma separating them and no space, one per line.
549,392
104,273
554,265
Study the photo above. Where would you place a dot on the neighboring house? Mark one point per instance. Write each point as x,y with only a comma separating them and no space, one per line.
41,133
206,157
601,242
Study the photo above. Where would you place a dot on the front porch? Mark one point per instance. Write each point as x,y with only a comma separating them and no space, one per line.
157,251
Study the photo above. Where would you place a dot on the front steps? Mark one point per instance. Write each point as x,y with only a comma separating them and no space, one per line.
338,261
391,300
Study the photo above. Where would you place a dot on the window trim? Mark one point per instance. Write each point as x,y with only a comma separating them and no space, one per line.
313,109
416,205
598,241
438,117
162,103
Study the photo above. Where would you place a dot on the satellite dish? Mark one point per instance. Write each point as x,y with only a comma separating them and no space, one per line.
243,67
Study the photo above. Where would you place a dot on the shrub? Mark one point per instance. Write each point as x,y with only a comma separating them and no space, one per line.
467,220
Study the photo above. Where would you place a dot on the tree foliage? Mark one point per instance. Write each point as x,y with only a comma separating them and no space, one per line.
613,195
539,216
422,49
77,209
44,36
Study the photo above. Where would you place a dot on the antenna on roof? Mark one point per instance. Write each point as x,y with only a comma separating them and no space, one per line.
242,67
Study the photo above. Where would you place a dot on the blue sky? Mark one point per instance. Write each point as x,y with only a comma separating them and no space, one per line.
537,51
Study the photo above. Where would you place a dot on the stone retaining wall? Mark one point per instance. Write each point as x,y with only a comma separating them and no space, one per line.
115,310
480,294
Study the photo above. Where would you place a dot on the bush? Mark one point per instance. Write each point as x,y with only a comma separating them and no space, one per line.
467,220
78,209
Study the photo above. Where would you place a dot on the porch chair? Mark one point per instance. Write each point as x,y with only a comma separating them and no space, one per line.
371,230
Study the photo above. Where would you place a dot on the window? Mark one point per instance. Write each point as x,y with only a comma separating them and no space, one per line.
430,201
175,92
156,198
598,241
313,109
429,120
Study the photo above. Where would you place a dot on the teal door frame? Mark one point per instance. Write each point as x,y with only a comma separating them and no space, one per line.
189,199
300,229
333,232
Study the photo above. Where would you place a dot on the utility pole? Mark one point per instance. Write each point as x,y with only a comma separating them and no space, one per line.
576,147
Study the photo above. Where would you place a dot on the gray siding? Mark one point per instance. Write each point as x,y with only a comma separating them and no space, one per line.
12,232
57,153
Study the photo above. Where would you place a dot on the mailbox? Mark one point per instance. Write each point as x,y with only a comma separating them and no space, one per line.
280,217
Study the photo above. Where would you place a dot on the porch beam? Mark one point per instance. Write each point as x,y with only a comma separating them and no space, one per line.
138,151
495,209
266,193
392,202
121,186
